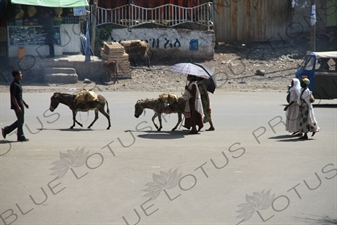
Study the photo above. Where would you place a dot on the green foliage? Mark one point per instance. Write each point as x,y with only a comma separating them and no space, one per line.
103,34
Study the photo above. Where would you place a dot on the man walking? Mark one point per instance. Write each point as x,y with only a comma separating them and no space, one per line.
17,104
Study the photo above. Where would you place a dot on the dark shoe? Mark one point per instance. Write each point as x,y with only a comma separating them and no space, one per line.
3,133
210,129
193,132
23,139
304,137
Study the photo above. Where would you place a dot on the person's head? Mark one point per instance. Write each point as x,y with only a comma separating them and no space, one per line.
17,74
295,83
305,82
191,77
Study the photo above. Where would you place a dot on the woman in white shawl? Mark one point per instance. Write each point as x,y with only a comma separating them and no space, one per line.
194,106
307,121
292,109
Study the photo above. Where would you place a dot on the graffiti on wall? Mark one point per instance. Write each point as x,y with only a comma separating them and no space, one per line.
165,43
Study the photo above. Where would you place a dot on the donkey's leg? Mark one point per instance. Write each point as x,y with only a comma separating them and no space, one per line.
116,75
96,117
154,123
179,121
101,109
160,124
74,120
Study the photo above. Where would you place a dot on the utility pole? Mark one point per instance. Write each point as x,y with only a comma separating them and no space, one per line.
93,25
313,26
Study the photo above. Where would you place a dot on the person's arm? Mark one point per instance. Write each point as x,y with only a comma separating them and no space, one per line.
26,105
285,108
13,90
186,87
192,91
13,99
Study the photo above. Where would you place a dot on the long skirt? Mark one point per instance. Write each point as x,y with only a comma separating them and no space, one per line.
205,105
292,118
306,123
195,119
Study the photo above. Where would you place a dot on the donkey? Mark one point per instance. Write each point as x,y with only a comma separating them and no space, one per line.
111,67
158,106
69,100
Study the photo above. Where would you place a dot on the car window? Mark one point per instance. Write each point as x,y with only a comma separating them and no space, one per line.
326,64
310,63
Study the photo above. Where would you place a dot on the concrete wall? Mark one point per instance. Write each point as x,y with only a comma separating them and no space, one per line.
170,43
33,68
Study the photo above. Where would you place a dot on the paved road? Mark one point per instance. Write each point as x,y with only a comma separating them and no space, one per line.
248,169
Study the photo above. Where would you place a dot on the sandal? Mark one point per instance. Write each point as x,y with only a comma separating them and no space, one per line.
293,134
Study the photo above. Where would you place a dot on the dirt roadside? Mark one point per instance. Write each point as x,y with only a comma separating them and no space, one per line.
235,66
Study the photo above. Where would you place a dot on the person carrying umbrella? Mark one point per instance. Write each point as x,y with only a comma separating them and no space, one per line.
195,109
195,106
205,103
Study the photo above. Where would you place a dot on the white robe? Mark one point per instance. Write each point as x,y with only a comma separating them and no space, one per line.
292,113
198,103
304,98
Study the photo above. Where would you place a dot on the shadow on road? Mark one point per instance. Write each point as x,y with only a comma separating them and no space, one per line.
6,142
295,140
289,138
282,136
321,220
163,134
325,105
320,105
68,129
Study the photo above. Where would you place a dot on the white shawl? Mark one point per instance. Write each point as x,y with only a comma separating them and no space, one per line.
198,103
295,90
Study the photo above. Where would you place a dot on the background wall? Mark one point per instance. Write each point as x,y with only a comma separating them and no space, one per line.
168,43
250,20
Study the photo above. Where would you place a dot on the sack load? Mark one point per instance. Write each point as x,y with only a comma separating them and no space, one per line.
85,96
168,98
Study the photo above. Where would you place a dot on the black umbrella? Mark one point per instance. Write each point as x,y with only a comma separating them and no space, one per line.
210,83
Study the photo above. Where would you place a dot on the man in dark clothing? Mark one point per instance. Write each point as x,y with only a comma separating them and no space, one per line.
17,104
49,28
